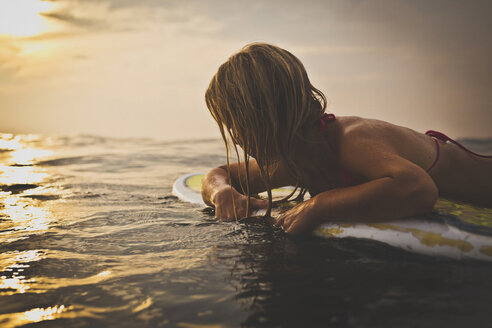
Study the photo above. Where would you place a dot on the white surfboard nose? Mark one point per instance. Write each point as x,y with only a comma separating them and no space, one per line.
184,191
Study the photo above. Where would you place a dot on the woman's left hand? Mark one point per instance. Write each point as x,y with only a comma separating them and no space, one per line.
300,219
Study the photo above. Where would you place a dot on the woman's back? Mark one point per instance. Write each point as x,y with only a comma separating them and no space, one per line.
457,173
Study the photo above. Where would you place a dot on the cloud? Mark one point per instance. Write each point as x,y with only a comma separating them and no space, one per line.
91,16
66,17
9,64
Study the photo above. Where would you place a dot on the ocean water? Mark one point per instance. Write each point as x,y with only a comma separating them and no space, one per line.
91,236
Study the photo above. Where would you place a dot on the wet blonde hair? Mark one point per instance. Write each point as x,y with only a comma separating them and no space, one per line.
262,100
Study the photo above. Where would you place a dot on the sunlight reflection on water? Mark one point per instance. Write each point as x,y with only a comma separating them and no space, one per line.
32,316
20,215
15,263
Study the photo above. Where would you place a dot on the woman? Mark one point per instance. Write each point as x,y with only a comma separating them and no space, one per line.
355,169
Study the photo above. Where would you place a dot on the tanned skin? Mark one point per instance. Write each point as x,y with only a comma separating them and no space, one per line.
390,163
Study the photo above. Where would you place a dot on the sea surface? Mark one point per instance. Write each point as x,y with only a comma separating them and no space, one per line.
91,236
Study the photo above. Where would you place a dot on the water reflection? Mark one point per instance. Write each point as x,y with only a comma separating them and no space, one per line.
20,214
12,266
67,312
32,316
20,217
14,270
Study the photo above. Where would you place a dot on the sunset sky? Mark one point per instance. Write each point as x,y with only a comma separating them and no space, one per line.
140,68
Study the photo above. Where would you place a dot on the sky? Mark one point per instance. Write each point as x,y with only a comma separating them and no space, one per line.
125,68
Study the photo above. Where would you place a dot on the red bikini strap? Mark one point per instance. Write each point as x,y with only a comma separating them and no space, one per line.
443,137
326,118
437,155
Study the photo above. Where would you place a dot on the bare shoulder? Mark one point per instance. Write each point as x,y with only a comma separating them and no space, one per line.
358,127
375,147
358,133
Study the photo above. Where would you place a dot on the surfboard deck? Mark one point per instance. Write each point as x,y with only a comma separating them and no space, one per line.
459,236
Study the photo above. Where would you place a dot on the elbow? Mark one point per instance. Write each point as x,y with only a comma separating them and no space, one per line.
215,180
205,189
425,196
429,199
210,184
417,191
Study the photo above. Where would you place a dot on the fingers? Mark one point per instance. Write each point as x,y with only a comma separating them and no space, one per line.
279,221
227,213
291,221
288,223
285,221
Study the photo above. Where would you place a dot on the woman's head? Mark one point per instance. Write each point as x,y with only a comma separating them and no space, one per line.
262,99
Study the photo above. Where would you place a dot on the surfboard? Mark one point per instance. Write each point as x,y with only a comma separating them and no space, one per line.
452,230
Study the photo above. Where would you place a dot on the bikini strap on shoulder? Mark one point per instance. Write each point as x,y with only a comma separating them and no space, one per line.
438,135
445,138
325,117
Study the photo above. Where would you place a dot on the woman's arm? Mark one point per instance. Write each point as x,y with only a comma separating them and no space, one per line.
406,194
396,188
219,191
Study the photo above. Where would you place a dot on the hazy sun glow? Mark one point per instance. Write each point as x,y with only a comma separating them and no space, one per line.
21,18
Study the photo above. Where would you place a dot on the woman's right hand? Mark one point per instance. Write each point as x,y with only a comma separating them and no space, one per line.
225,200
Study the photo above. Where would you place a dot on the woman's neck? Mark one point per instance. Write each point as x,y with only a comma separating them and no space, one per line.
316,154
